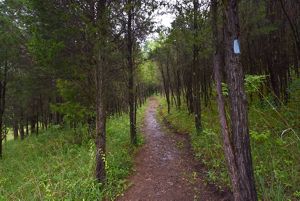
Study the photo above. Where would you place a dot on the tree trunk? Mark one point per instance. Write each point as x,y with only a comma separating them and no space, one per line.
178,89
166,88
2,102
293,26
1,139
15,125
21,125
37,123
27,127
5,131
100,138
243,178
42,112
228,150
56,114
91,126
21,128
133,136
195,84
32,125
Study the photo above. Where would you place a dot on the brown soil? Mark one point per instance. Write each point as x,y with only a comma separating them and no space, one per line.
165,168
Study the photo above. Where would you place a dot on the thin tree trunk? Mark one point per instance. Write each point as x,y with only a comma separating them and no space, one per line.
56,114
27,127
133,136
293,26
37,123
15,128
21,128
166,88
2,102
1,139
32,125
100,138
178,89
178,76
5,133
42,112
243,181
195,90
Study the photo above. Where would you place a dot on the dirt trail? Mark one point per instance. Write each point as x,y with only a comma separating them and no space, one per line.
165,169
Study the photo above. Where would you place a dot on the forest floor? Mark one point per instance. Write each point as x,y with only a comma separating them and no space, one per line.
165,169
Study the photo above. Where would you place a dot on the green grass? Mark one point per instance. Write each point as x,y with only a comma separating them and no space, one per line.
52,166
275,157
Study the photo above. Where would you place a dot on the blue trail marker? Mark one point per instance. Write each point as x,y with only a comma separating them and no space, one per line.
236,46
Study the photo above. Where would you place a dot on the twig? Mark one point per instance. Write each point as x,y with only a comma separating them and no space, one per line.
288,129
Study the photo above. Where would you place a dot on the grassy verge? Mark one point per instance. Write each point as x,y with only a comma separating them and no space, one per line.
52,166
275,157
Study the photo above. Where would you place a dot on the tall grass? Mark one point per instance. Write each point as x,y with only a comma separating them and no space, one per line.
54,166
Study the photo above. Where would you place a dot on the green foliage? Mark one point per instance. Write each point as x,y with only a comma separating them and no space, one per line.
73,111
253,83
260,137
225,90
254,20
52,166
44,51
148,73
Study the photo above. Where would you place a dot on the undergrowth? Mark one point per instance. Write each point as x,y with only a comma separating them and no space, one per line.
54,166
275,145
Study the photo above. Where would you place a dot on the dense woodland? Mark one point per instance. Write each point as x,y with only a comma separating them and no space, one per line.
76,76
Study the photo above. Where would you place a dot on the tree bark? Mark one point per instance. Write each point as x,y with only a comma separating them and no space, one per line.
27,127
21,125
22,133
37,123
293,26
100,138
2,102
1,139
178,89
195,84
227,146
15,127
32,124
166,88
243,178
131,96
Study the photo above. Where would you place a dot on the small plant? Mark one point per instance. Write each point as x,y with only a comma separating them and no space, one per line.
260,137
253,83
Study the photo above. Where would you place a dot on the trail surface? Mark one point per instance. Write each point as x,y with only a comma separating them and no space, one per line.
165,169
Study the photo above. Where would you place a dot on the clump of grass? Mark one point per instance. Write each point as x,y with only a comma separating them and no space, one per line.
52,167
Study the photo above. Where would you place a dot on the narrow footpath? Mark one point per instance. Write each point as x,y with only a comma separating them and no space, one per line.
165,169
